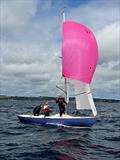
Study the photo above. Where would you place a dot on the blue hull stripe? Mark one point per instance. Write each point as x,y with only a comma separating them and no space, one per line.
83,122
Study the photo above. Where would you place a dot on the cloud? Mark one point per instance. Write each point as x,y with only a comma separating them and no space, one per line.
108,40
106,82
31,45
45,5
95,14
16,16
107,76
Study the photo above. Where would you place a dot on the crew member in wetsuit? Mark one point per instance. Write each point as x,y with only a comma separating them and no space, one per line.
61,103
36,110
46,109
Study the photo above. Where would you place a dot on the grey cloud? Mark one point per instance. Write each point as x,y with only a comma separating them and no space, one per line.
31,65
110,87
16,16
106,74
106,81
96,14
108,42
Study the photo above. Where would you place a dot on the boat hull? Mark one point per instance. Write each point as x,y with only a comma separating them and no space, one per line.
67,121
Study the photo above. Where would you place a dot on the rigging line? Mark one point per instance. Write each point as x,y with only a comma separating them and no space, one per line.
82,93
67,82
60,89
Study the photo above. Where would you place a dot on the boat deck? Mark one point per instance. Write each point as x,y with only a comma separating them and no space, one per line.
65,116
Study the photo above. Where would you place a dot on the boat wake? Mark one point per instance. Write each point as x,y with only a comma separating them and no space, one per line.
62,125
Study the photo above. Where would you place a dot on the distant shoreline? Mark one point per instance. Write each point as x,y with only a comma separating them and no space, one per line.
3,97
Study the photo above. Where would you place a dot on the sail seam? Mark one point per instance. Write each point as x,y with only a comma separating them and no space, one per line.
82,93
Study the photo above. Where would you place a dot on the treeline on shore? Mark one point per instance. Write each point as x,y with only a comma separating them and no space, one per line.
4,97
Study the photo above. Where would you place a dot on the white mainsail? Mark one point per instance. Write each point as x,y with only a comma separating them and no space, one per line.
66,90
83,97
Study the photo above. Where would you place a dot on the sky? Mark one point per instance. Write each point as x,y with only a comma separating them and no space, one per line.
30,45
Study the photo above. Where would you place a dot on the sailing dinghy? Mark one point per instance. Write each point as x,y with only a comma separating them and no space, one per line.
79,59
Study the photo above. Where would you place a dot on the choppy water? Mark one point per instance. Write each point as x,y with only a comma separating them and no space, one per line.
20,141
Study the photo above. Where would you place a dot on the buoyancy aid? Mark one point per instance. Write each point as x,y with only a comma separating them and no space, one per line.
46,109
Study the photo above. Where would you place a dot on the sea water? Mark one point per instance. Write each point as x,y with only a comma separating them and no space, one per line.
20,141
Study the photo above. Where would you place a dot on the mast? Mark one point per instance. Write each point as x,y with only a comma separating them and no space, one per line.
65,79
63,13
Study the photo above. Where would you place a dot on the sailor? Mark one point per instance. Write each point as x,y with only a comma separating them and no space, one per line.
46,109
61,103
36,110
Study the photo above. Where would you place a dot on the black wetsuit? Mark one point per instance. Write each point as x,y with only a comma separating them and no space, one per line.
61,105
36,110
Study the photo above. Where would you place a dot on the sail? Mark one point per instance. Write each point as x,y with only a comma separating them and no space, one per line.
79,52
83,97
66,90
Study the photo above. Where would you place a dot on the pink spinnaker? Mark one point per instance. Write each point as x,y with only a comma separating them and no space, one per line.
79,52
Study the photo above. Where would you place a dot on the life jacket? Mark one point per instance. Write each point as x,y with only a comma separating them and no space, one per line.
46,109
